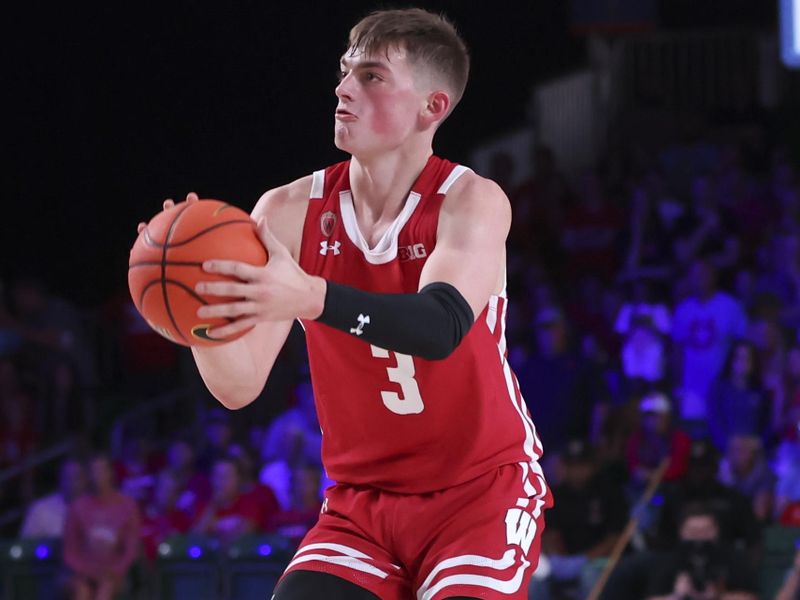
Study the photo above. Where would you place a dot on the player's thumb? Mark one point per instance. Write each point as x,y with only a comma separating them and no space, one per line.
271,243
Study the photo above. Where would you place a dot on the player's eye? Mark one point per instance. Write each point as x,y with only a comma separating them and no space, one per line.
340,75
370,76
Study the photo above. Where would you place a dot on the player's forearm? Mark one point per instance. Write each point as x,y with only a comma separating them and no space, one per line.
430,323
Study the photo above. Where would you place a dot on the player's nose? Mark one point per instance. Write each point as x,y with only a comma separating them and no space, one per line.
344,89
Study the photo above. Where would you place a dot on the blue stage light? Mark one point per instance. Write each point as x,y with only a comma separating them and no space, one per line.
195,552
42,552
790,32
265,549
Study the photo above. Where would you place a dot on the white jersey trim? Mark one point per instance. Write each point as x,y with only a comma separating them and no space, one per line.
457,172
344,561
348,557
509,586
386,249
318,184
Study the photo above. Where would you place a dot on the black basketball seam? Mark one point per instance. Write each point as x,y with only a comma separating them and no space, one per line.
195,295
184,287
172,263
164,273
151,242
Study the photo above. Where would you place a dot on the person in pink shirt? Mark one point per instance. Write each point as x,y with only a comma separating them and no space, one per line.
101,536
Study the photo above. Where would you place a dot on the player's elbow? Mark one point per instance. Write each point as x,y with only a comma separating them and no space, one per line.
235,398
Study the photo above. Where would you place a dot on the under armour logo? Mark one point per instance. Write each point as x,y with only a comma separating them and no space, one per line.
362,320
324,247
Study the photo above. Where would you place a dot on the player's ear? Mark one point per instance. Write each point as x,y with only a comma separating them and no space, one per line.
436,107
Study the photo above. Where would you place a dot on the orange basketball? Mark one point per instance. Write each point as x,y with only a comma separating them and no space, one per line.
166,262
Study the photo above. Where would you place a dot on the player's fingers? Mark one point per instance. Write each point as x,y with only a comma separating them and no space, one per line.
192,197
231,309
140,227
168,203
233,328
236,268
223,288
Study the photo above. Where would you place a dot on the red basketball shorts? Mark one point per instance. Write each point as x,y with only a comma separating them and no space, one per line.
480,539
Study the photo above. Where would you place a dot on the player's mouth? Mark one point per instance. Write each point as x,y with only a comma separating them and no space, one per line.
344,115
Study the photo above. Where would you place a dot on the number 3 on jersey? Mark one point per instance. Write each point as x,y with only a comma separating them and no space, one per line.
402,374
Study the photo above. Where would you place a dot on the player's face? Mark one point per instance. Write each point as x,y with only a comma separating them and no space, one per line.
380,102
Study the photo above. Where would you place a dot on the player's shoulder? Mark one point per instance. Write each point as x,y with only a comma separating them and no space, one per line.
473,192
290,196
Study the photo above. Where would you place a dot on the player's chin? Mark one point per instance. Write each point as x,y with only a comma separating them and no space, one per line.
344,142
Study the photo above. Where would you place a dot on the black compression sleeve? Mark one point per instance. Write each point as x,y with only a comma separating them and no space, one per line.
429,324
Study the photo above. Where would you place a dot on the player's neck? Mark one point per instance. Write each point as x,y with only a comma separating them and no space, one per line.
381,184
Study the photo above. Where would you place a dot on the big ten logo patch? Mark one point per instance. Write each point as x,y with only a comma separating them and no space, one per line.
412,252
520,528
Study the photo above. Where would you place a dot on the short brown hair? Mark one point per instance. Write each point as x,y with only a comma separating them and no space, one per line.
429,39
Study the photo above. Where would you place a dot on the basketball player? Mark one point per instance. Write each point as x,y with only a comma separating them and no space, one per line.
394,262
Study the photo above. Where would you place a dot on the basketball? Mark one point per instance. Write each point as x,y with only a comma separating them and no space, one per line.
166,262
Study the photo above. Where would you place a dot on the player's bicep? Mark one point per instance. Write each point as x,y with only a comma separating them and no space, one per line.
470,244
285,210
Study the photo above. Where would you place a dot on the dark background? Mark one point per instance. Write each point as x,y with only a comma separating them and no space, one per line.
115,107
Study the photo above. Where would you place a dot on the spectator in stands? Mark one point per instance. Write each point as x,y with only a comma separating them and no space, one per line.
136,470
162,517
644,324
303,510
734,513
706,231
294,434
262,496
194,486
590,231
292,438
539,205
219,436
591,311
704,328
768,339
229,513
791,410
652,219
746,470
656,439
558,384
45,518
701,565
586,520
101,536
736,402
779,278
786,466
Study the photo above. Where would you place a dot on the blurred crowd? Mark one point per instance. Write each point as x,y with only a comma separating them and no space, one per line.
654,329
655,336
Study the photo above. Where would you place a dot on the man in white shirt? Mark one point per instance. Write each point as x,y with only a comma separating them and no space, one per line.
705,325
45,517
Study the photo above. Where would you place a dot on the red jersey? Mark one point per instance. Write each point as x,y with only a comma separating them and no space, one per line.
392,421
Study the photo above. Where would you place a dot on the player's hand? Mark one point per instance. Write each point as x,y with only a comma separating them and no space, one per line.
278,291
167,204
